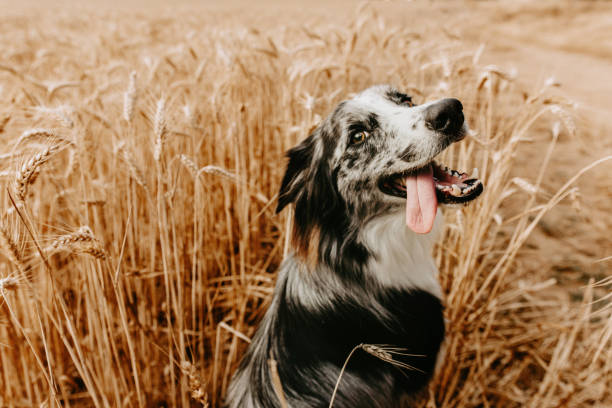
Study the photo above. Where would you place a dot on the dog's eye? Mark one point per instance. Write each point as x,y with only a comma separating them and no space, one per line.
359,137
406,100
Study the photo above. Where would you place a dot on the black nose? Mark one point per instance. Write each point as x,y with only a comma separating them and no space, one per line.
445,116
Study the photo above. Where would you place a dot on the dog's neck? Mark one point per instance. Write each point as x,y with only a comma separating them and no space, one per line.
397,259
401,258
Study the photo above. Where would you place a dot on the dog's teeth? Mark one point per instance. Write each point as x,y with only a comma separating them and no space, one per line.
475,173
456,189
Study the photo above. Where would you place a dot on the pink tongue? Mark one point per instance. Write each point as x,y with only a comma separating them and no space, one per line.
421,202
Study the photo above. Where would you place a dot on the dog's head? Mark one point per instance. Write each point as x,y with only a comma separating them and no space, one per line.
374,154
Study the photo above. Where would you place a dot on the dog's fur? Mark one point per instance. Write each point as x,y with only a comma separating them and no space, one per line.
357,274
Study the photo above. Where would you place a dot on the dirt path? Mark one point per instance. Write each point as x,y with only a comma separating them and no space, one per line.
583,69
572,44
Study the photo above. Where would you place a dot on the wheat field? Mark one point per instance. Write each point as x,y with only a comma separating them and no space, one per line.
141,153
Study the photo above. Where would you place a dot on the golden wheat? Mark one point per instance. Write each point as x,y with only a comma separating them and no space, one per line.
195,383
28,172
80,241
8,283
177,173
10,250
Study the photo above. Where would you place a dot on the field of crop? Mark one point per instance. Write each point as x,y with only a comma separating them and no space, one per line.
141,151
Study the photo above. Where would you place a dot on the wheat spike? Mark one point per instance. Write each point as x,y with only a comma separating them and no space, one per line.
80,241
29,168
62,112
377,352
187,162
10,248
34,133
159,128
195,383
210,169
382,352
135,171
129,98
8,283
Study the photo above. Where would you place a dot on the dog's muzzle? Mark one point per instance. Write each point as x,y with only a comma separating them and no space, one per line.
446,117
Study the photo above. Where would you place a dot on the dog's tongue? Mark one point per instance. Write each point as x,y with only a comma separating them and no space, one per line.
421,201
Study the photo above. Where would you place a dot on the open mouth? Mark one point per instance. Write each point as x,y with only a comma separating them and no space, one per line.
451,186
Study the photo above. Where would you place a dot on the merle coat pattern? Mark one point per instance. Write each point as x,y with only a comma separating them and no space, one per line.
356,274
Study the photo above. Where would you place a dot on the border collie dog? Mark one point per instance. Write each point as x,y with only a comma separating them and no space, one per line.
365,192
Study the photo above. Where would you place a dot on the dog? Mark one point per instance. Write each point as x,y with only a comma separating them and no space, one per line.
365,191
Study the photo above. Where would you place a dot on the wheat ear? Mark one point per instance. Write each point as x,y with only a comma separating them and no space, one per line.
10,248
382,352
160,128
195,383
25,174
8,283
129,98
80,241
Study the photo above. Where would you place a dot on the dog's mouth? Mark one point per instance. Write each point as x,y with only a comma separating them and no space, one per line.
452,187
424,188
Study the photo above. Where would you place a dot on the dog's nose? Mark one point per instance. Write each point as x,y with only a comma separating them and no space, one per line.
445,116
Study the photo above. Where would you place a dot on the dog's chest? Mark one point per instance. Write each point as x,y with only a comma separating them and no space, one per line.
400,258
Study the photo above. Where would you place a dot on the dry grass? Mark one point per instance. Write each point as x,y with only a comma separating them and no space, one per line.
165,136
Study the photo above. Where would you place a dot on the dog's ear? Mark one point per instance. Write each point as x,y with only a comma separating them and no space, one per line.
300,160
310,184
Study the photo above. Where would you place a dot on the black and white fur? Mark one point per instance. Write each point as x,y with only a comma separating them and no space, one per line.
357,274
